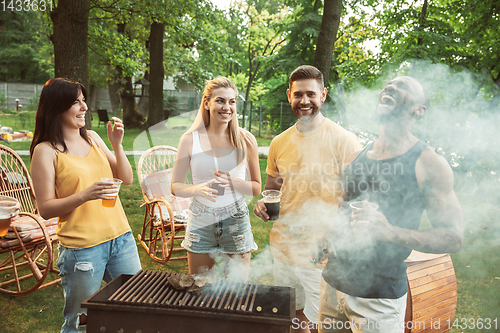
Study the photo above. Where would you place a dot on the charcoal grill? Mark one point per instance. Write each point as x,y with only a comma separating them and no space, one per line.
147,302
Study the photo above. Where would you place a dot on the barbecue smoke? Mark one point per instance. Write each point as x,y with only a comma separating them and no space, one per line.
461,124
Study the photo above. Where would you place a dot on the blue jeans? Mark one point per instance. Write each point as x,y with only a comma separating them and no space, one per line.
82,271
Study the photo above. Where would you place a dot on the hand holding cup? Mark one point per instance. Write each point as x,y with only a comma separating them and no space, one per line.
272,202
222,181
111,194
361,215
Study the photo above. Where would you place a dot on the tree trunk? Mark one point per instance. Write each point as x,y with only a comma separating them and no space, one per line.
422,23
70,39
132,117
114,97
327,37
249,83
156,74
143,104
91,101
316,6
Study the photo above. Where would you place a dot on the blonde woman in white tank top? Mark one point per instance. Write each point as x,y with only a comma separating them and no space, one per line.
218,152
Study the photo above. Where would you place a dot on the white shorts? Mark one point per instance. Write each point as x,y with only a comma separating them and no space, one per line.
340,312
306,282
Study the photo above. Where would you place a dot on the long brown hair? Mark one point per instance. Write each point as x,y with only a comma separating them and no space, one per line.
57,97
238,137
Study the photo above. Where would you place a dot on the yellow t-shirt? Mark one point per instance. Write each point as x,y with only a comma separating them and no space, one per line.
311,166
89,224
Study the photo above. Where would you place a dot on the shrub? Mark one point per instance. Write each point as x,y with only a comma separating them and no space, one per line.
3,101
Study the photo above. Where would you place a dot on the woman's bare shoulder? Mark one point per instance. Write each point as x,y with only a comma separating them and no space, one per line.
43,148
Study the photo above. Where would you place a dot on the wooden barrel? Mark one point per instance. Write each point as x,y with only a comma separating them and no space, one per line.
432,293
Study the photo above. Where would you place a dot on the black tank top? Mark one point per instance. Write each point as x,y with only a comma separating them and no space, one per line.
375,269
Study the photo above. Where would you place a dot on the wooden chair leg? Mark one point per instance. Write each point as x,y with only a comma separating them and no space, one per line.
29,263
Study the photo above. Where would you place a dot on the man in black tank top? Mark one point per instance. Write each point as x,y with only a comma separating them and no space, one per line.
364,282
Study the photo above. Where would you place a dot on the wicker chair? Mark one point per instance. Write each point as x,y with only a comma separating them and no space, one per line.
26,252
165,216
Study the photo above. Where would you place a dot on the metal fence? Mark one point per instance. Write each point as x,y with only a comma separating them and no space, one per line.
27,94
269,122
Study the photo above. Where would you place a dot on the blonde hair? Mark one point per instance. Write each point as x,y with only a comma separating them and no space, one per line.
238,137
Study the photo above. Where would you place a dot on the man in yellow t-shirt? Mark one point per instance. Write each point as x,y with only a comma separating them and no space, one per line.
305,163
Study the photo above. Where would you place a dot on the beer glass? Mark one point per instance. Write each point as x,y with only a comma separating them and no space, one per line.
272,202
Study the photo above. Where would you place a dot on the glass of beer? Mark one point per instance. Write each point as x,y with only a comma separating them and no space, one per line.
272,202
111,193
9,209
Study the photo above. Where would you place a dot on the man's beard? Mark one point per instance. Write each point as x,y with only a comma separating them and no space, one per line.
394,117
306,118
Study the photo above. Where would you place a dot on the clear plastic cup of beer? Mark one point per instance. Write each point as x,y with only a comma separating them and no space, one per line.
359,208
355,205
9,209
272,201
112,194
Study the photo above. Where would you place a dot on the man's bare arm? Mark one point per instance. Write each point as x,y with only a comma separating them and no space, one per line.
442,206
273,183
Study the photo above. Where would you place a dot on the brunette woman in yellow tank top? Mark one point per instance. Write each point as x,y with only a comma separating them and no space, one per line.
67,164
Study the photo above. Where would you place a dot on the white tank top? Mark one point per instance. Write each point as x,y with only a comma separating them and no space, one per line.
203,167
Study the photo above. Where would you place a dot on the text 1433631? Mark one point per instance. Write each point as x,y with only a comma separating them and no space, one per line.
26,5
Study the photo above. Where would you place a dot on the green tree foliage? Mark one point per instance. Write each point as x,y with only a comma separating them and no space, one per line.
197,49
478,24
451,46
353,62
190,32
417,30
24,53
192,42
263,40
111,49
302,29
459,33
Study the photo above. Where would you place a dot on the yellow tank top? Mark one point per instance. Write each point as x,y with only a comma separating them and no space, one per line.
89,224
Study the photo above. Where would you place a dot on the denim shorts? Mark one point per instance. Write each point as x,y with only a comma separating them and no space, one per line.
219,229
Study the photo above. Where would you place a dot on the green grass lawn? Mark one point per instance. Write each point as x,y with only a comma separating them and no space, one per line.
477,264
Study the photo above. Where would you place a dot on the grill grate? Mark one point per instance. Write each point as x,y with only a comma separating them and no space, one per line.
147,302
151,288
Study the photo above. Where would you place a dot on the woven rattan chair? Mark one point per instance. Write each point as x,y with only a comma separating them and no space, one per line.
164,220
26,252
